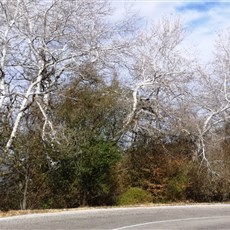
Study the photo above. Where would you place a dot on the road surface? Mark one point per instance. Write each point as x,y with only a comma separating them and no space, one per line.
161,217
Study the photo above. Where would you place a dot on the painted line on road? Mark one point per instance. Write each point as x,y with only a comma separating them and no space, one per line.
168,221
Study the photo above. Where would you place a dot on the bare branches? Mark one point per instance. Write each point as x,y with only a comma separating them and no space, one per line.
44,46
160,73
5,31
172,94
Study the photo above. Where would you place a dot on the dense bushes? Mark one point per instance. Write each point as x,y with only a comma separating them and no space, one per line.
100,174
161,170
169,173
207,187
90,166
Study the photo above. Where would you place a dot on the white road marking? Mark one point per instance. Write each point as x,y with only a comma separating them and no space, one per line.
168,221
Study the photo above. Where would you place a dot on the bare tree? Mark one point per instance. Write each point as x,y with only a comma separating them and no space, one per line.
9,15
46,44
161,73
211,99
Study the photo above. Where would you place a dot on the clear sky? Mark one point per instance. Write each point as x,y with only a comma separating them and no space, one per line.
203,20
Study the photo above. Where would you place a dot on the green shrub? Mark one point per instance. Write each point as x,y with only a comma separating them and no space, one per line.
96,180
134,195
176,187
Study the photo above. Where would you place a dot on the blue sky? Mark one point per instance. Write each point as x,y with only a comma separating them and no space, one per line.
197,6
203,20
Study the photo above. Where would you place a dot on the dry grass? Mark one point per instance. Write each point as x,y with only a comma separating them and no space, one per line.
24,212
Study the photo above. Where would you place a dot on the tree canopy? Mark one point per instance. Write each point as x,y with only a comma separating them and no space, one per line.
93,109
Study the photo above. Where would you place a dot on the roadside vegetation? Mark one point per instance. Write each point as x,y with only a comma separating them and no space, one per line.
95,112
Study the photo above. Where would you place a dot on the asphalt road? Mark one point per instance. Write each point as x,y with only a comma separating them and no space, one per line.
163,217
